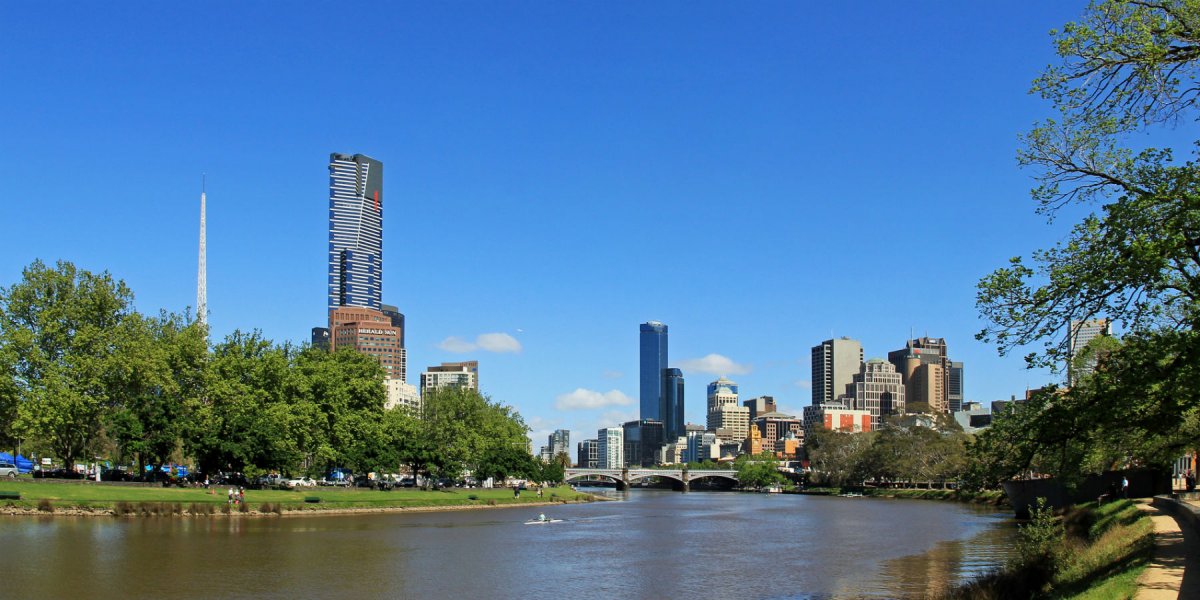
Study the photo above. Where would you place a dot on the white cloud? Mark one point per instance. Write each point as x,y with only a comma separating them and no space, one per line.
488,342
586,399
456,344
714,364
498,342
804,384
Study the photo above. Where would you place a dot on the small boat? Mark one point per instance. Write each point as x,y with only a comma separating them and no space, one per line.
542,521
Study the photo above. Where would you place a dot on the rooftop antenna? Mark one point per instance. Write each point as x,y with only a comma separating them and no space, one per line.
202,268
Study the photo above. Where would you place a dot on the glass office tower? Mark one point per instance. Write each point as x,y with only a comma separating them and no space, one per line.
653,363
672,404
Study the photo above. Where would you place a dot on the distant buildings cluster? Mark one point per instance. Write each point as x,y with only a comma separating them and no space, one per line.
848,394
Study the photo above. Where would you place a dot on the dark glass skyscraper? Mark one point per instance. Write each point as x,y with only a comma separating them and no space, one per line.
355,231
653,364
672,404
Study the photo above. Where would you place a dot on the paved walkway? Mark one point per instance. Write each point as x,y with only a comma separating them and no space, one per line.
1174,569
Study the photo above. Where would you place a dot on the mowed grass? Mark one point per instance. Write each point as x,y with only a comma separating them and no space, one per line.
75,494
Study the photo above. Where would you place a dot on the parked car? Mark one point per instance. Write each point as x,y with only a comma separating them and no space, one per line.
8,470
300,482
272,480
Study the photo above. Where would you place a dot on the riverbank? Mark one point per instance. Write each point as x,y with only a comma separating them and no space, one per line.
988,497
90,499
1090,552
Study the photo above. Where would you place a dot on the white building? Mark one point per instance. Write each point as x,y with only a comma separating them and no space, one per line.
611,448
460,375
402,394
1083,332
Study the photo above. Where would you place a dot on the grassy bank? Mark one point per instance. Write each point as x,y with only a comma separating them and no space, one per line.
1090,553
74,495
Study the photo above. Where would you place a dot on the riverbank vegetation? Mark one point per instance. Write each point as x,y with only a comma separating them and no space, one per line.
1128,79
1090,552
125,499
84,374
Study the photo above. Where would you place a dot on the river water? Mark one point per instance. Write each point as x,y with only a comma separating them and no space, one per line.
652,544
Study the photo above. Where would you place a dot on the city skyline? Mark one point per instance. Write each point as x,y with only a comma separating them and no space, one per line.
540,211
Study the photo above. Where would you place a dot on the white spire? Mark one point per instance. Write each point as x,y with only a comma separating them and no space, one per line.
201,272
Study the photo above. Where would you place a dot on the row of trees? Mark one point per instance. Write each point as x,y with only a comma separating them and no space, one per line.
895,454
82,373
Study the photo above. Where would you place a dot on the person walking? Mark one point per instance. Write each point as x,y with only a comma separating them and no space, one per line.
241,496
1124,487
230,496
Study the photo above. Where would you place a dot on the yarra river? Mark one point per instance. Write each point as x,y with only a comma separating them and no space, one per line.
653,544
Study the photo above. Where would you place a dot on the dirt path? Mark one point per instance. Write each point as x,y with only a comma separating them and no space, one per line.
1174,569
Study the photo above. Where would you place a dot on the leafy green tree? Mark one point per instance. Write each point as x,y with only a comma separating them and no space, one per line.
1128,68
60,337
342,390
758,471
839,457
460,429
160,368
242,419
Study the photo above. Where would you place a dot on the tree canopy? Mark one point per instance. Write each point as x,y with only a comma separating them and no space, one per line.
1128,68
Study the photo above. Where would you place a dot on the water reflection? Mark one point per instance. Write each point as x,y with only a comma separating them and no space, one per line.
650,545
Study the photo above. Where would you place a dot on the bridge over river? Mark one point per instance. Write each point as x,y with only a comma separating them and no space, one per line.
626,477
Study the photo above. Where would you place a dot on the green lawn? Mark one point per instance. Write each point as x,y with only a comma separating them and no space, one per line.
68,494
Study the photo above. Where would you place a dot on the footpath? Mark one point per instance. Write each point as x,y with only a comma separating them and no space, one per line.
1174,568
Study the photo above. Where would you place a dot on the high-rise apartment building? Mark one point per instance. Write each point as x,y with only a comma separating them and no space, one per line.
559,442
724,413
356,317
454,374
1081,333
643,442
355,231
610,452
588,455
834,364
652,364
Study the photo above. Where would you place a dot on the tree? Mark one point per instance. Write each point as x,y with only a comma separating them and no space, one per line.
60,336
159,369
840,457
758,471
459,429
1128,68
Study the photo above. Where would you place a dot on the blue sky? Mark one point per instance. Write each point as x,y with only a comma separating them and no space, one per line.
758,176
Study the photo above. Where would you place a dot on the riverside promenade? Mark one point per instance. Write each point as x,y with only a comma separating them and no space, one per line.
1174,567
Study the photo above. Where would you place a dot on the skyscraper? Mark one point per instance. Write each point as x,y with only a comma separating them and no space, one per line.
929,376
1081,333
653,345
672,403
834,364
724,412
355,231
877,388
202,267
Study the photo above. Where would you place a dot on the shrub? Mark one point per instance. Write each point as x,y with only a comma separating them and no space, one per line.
472,497
312,499
491,502
278,509
177,509
243,507
44,505
123,508
226,509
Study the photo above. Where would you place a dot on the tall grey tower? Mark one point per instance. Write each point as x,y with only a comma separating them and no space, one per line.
202,268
